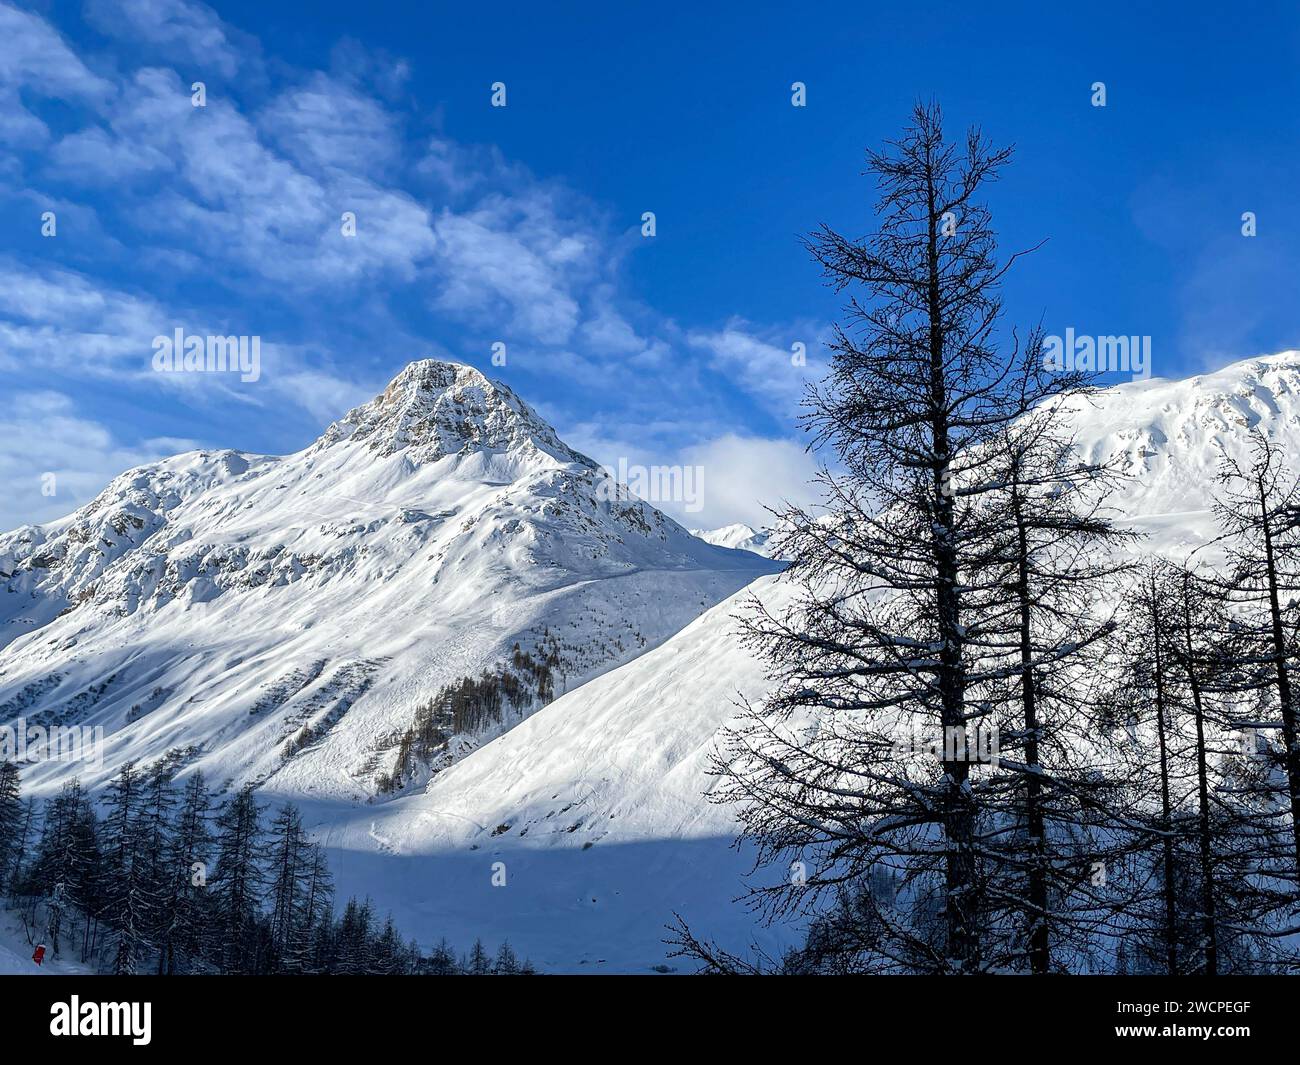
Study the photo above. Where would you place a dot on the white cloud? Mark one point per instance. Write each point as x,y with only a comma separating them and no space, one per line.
325,396
61,319
42,433
764,366
488,263
94,157
743,475
238,200
184,30
330,125
35,59
740,475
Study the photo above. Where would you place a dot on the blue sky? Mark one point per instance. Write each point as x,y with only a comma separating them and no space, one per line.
522,225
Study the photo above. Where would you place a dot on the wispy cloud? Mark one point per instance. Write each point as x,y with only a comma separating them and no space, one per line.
36,60
230,218
55,458
180,29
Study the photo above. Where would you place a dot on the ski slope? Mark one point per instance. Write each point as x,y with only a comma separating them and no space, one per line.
596,805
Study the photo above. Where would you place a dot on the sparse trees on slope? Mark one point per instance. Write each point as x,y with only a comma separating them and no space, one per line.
1259,511
141,877
1199,843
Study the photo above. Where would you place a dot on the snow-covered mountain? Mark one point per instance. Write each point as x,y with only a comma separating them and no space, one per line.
1168,437
597,805
281,620
739,537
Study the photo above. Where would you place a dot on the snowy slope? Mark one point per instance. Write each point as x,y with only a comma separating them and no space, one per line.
1168,437
16,953
596,806
739,537
596,803
212,605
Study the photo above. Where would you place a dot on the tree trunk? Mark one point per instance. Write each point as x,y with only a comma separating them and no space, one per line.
1039,942
1166,808
1289,733
960,904
1209,923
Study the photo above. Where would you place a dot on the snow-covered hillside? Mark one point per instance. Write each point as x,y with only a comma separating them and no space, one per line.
1168,437
414,544
596,805
739,537
279,620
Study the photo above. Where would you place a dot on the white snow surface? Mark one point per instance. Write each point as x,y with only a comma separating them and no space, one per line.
595,806
212,604
1169,436
16,952
741,537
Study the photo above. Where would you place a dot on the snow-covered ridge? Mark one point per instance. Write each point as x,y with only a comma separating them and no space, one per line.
598,803
739,537
435,408
1168,438
218,605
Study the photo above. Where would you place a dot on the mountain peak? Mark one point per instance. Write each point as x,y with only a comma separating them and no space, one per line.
435,408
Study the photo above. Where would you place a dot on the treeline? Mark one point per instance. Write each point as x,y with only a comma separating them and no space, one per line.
170,881
469,706
1139,810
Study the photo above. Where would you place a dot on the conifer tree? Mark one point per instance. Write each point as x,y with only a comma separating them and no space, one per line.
12,817
442,962
315,916
157,802
237,883
128,904
895,656
185,932
290,861
478,963
507,962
